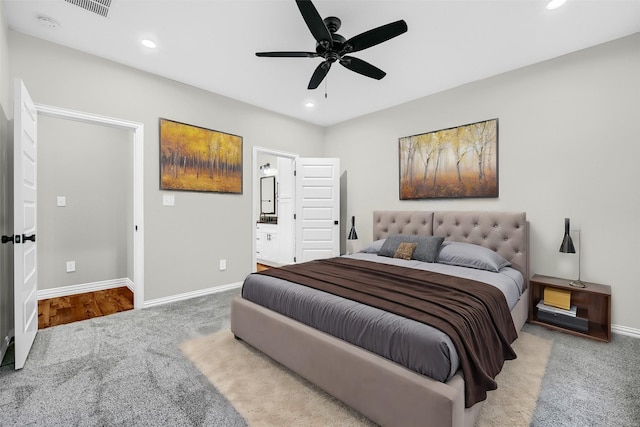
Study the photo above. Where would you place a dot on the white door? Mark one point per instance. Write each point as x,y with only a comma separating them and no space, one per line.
286,211
317,208
25,277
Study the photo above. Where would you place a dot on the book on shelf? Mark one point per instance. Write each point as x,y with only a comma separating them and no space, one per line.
560,298
573,310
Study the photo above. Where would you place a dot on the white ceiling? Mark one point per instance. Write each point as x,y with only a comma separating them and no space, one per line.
210,44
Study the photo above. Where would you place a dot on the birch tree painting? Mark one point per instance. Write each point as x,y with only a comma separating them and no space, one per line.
456,162
199,159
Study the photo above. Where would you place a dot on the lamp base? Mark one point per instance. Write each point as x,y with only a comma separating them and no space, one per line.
577,284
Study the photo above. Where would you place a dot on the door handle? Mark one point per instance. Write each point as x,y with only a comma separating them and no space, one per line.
7,239
25,238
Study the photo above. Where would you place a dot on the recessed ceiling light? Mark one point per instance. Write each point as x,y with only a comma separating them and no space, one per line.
554,4
148,43
309,104
47,22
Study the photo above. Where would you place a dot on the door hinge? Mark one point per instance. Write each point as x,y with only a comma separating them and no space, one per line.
294,173
294,259
294,216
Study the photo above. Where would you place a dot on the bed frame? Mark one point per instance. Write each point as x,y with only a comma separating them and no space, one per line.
382,390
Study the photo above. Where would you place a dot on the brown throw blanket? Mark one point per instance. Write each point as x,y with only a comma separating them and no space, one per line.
473,314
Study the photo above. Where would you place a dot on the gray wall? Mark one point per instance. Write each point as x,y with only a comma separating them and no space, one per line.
568,147
6,188
183,243
90,165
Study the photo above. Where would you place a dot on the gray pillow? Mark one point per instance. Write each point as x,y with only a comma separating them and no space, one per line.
373,248
473,256
426,251
391,243
428,247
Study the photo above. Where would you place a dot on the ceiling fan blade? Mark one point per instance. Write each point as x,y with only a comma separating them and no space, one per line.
362,67
287,54
319,74
376,36
315,23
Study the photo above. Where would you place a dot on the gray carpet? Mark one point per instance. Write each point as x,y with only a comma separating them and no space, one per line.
589,383
127,369
124,369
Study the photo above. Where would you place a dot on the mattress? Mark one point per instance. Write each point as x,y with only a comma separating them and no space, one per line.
419,347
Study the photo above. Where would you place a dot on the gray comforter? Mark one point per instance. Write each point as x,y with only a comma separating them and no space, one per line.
417,346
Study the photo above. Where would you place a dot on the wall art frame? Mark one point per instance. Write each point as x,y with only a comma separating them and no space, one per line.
194,158
457,162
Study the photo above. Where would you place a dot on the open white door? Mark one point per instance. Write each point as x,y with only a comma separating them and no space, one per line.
25,277
317,208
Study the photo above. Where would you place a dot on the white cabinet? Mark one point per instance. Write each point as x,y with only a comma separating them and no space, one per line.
267,244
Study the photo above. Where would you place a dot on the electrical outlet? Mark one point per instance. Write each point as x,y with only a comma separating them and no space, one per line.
223,264
71,266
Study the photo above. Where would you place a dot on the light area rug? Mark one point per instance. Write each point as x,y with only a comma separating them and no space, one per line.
267,394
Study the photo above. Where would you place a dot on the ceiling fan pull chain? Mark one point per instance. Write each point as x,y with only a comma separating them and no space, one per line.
326,83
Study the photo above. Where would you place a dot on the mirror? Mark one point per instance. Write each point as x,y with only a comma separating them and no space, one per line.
268,195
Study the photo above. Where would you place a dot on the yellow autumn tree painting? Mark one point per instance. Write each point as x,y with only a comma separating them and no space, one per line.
198,159
456,162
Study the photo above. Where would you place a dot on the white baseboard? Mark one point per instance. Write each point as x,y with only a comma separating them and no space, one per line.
625,330
187,295
130,285
116,283
63,291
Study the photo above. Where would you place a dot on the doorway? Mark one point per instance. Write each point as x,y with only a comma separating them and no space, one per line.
136,220
284,212
308,205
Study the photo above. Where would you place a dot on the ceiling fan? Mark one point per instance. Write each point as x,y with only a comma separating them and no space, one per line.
334,48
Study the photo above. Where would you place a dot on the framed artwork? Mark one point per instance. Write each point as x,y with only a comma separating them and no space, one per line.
450,163
198,159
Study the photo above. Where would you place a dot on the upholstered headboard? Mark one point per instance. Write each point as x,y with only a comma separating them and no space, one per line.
506,233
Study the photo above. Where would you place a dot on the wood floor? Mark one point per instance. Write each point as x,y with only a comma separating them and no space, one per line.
262,267
72,308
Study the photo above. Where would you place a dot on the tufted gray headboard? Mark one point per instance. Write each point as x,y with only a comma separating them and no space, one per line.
506,233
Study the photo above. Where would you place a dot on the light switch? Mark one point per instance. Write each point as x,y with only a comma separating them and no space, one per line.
61,201
168,200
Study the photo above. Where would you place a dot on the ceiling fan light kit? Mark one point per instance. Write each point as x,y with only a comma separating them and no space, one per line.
333,47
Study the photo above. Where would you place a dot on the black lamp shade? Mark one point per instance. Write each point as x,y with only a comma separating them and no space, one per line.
352,234
567,244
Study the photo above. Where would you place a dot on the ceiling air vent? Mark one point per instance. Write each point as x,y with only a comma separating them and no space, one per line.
100,7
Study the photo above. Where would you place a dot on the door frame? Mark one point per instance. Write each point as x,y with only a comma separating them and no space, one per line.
138,183
256,193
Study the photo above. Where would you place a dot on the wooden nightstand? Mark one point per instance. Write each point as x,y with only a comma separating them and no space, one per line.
593,303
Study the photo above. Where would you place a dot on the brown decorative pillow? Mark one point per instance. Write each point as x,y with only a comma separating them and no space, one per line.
405,250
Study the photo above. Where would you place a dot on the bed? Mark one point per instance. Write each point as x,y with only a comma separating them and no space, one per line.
381,389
